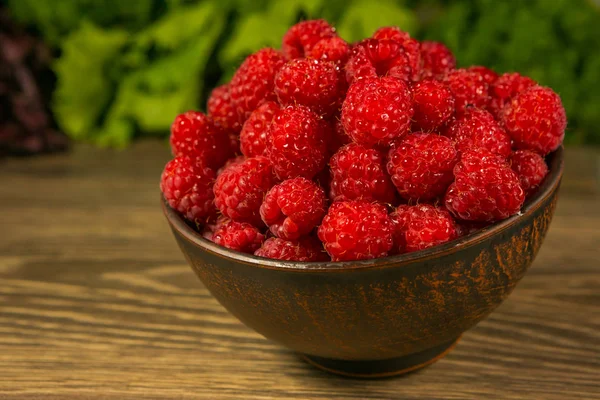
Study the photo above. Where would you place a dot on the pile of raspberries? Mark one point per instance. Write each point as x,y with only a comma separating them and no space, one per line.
327,150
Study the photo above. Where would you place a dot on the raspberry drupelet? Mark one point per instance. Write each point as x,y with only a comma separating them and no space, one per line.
334,49
240,189
485,189
422,226
296,142
487,75
316,84
293,208
186,184
358,173
239,236
433,103
530,168
221,109
253,82
371,58
356,230
437,60
535,120
505,88
194,134
377,111
478,128
421,165
300,39
253,137
304,249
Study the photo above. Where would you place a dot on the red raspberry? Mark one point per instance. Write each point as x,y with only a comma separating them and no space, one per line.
411,47
434,104
210,228
530,168
305,249
438,60
300,39
296,142
478,128
356,230
535,120
421,165
338,137
358,173
334,49
230,162
253,138
372,58
195,135
487,75
187,187
222,110
253,82
239,236
377,111
485,189
505,88
293,208
240,189
316,84
422,226
468,88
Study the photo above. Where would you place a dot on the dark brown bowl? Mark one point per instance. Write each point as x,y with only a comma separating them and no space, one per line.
377,317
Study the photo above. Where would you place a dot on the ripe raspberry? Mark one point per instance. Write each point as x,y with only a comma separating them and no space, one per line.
485,189
253,82
293,208
334,49
222,110
305,249
411,47
240,189
535,120
239,236
438,60
530,168
187,187
338,137
421,165
230,162
377,111
433,103
316,84
358,173
478,128
195,135
468,88
300,39
296,142
356,230
421,226
209,228
487,75
254,131
371,58
505,88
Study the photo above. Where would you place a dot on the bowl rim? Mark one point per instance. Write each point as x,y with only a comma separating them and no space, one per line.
548,187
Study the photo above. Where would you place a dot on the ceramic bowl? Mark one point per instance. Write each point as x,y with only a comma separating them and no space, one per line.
379,317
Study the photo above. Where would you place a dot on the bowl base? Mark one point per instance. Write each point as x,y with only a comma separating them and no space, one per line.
372,369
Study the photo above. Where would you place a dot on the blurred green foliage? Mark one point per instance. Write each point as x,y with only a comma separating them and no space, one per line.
127,67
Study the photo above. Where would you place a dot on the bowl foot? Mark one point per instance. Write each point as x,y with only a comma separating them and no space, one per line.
382,368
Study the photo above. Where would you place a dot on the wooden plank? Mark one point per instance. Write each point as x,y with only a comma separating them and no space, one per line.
97,302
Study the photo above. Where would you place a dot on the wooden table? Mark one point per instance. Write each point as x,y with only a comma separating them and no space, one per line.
97,302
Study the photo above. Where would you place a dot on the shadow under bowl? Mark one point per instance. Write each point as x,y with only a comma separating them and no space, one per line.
380,317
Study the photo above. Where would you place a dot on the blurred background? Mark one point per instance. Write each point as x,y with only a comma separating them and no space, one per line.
108,72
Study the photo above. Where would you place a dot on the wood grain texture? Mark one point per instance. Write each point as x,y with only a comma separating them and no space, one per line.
97,302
